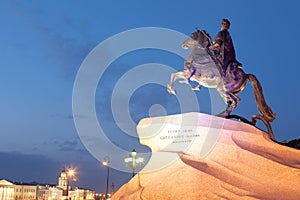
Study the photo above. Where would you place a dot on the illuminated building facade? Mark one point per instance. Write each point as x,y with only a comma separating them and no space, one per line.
58,192
7,190
25,192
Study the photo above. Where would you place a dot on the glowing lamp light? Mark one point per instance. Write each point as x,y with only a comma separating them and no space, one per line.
71,172
133,161
105,163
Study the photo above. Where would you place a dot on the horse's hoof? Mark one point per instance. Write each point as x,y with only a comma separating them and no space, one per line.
223,114
184,82
170,90
196,88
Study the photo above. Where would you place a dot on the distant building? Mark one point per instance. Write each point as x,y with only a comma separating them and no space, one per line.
56,193
48,192
63,191
7,190
81,194
103,196
25,191
63,180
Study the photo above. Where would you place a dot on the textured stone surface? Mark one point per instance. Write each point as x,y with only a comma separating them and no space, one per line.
243,164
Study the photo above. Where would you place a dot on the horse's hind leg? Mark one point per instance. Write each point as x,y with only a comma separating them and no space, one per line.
231,100
232,104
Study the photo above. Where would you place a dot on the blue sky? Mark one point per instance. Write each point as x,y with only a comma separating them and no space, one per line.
43,44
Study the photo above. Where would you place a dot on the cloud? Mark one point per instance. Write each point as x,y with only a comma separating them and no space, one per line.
65,51
16,166
65,41
19,167
69,145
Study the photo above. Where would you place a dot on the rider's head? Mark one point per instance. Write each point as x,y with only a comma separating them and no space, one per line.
225,24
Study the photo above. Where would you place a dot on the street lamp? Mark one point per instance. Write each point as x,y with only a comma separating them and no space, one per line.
133,161
106,163
70,174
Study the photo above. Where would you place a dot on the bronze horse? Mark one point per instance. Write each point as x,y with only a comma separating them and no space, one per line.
204,67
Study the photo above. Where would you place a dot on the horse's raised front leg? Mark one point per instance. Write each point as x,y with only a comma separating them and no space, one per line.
174,77
185,75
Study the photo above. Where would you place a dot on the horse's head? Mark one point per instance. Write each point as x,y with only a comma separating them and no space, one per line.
199,38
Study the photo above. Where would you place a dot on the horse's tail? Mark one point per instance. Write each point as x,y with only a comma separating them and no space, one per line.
262,106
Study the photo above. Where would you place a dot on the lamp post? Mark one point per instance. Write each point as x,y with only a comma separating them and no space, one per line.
70,173
133,161
106,163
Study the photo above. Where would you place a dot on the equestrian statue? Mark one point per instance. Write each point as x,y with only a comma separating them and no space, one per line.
204,66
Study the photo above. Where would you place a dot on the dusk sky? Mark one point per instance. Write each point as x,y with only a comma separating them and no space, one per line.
43,46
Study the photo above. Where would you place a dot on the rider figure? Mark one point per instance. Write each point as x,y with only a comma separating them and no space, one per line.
224,45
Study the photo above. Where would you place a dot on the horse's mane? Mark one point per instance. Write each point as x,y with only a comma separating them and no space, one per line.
204,32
